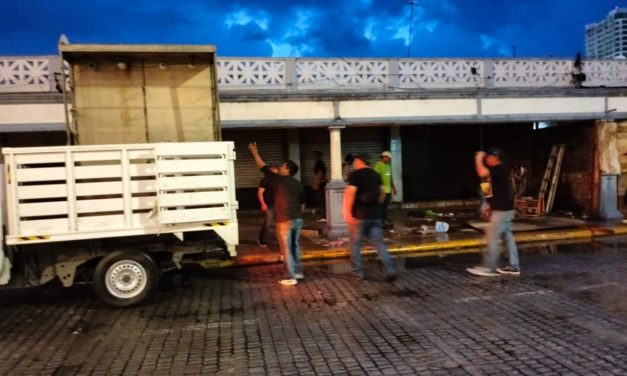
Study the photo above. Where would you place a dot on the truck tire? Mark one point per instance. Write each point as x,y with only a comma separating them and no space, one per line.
126,277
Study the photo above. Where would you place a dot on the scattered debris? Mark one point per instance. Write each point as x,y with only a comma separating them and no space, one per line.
336,243
441,226
425,230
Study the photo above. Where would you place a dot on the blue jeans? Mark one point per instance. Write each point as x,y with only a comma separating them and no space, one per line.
288,235
360,230
500,228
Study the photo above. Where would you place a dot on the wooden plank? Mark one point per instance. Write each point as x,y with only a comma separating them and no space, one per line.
43,227
113,171
182,166
193,182
99,189
194,198
148,153
96,155
194,215
24,175
99,205
192,148
51,157
29,192
115,187
100,222
42,209
25,192
98,172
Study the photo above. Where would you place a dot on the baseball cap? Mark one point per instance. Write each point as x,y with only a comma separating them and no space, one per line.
386,154
498,152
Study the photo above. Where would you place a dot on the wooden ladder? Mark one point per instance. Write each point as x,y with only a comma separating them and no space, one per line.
551,176
543,204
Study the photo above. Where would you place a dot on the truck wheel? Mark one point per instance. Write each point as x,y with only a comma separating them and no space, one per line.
125,278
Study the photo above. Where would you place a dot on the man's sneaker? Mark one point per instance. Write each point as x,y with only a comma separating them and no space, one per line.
288,282
261,243
508,270
299,276
482,271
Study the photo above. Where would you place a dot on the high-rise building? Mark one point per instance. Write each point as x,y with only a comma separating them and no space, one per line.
608,38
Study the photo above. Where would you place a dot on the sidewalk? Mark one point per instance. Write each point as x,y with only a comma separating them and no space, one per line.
464,235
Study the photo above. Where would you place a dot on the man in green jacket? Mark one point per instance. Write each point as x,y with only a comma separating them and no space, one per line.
384,169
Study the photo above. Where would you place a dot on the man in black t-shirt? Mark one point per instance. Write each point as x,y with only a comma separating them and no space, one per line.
363,197
265,195
495,183
289,201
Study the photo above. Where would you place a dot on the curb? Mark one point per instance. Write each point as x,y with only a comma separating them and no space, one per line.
443,248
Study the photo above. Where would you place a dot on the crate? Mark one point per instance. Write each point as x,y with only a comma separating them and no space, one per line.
529,206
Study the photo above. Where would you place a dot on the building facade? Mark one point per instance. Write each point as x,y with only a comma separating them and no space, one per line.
608,38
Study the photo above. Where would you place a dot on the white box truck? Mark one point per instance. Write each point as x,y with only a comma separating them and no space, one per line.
115,214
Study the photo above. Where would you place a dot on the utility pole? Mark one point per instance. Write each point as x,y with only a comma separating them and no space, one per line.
411,25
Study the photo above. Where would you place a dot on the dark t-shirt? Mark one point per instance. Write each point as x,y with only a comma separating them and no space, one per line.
320,167
368,184
502,198
268,193
288,195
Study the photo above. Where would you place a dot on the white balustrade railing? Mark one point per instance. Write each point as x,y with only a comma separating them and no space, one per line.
37,74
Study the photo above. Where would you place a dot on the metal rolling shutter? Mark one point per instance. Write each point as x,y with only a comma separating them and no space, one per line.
313,139
369,140
272,147
365,140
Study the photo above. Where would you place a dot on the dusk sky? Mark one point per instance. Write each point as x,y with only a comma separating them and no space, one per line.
310,28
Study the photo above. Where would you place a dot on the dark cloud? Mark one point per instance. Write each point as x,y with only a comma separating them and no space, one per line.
316,28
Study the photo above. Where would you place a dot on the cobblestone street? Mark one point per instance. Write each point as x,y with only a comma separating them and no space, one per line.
566,315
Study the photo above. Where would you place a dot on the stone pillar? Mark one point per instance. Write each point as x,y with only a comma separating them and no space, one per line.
336,227
609,168
397,162
293,148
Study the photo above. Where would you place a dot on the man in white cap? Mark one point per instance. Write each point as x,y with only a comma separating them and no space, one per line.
384,169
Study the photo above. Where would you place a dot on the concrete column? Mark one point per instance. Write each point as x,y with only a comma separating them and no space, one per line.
293,148
336,152
336,227
397,162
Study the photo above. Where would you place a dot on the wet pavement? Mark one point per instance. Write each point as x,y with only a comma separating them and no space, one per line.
565,315
414,232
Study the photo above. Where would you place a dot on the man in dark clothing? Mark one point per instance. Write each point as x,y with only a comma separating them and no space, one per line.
362,212
265,195
497,189
289,201
318,182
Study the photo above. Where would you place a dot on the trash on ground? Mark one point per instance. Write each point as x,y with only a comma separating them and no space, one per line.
336,243
441,226
425,230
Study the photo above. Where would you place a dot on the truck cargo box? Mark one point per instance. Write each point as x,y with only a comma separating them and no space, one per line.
70,193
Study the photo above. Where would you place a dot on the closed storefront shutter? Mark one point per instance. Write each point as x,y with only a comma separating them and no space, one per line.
365,140
313,139
272,147
354,140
